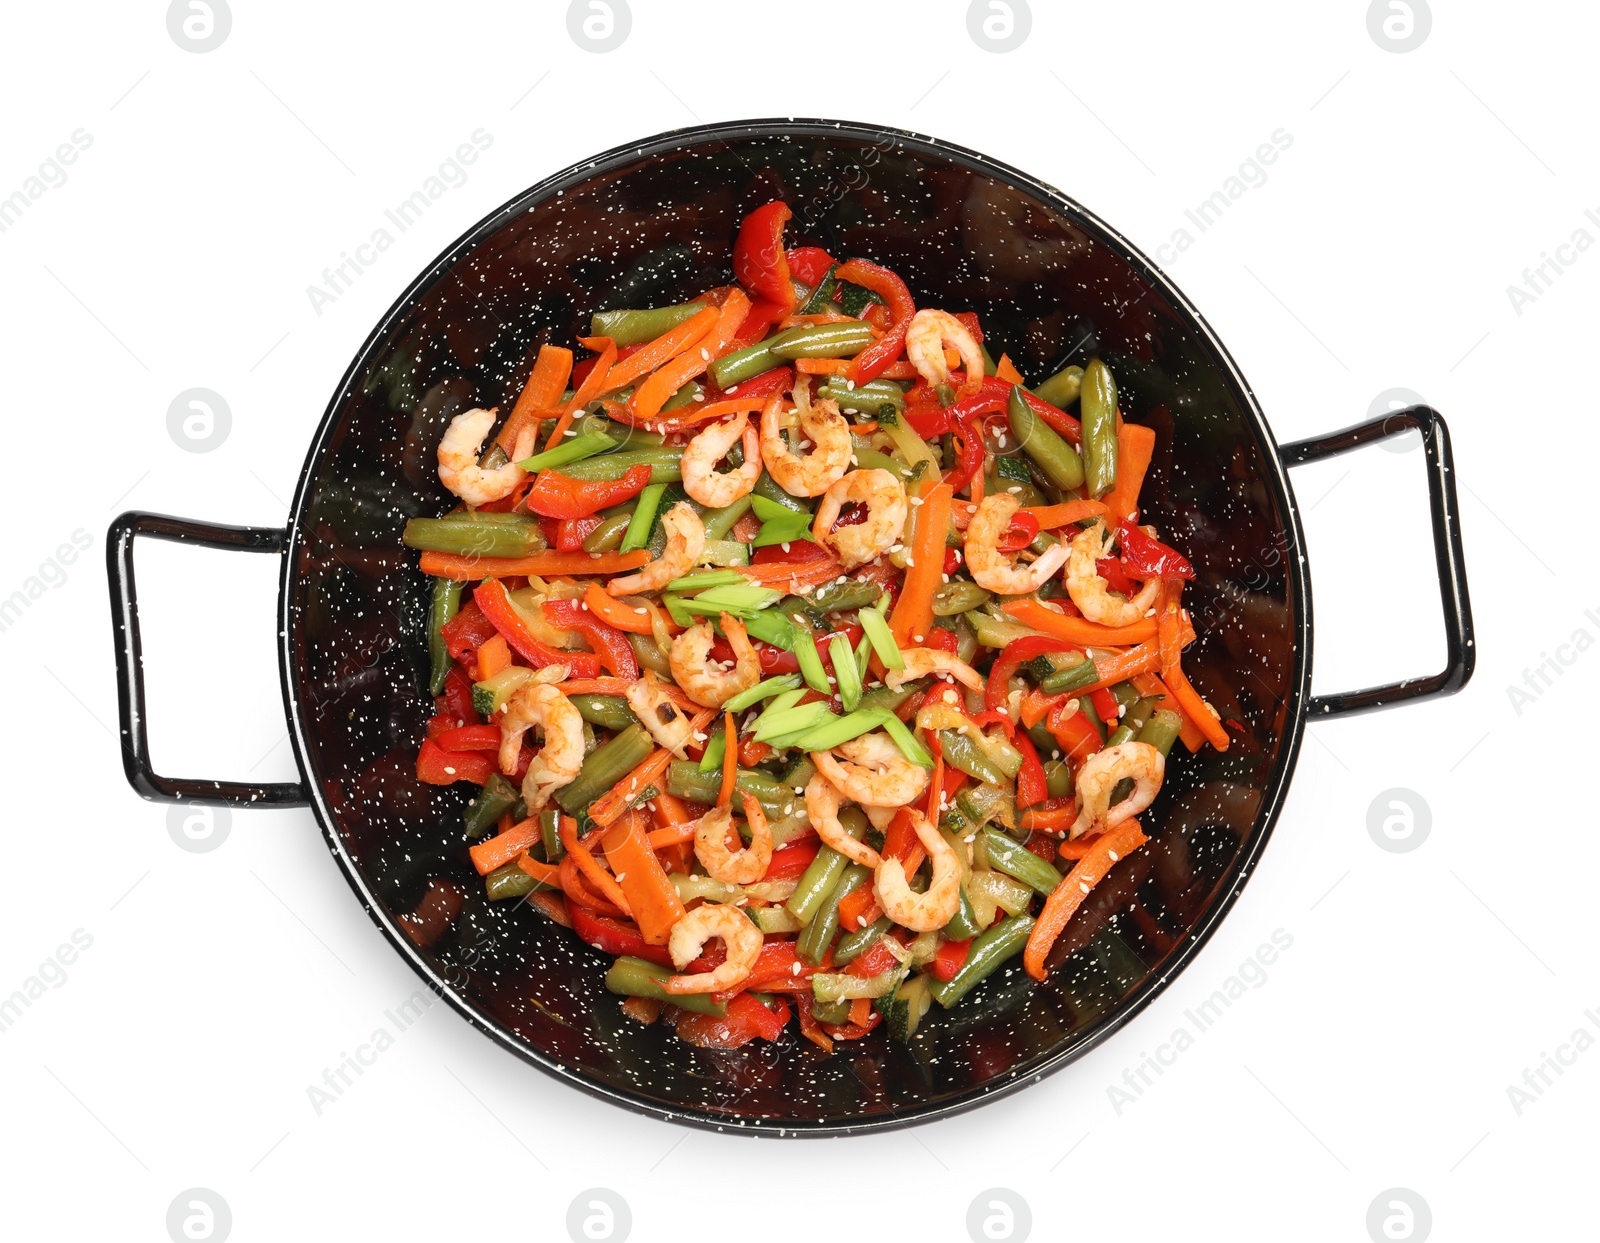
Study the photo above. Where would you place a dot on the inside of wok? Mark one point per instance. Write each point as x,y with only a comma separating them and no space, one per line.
653,228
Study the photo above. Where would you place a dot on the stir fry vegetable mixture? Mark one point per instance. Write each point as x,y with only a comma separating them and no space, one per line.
810,663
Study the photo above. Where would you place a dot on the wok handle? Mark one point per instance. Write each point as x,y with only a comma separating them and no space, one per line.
130,660
1461,654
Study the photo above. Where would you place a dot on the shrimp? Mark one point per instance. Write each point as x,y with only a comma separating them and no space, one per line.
872,771
458,461
701,478
921,912
689,935
921,661
1092,594
686,540
829,434
561,756
734,867
701,678
1099,776
822,809
667,723
998,571
929,333
885,500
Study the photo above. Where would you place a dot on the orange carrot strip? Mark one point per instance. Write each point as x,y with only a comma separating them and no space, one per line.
860,1011
730,761
546,382
578,890
501,849
1136,445
649,890
853,906
1189,732
1203,714
1049,819
544,873
671,810
1079,630
913,611
672,375
646,773
1053,517
797,573
493,656
614,612
553,905
594,686
471,569
663,349
1006,370
593,386
672,835
604,883
1064,900
690,416
821,366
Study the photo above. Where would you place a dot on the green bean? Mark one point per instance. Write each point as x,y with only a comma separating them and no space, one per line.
444,605
834,596
604,768
992,631
1132,720
718,522
1098,409
608,535
1072,678
635,977
637,327
1057,778
766,487
475,535
1061,389
818,935
510,881
488,805
746,364
1055,457
822,341
956,597
854,944
871,397
1018,861
666,465
555,849
990,950
684,396
625,436
608,711
963,925
870,459
568,451
685,780
823,874
961,752
1161,731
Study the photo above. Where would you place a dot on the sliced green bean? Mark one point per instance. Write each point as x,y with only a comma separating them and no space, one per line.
1162,730
1061,389
575,450
870,397
818,935
608,711
666,465
1055,457
1018,861
746,364
555,849
854,944
990,950
604,768
1098,409
636,977
493,801
636,327
823,874
685,780
822,341
475,535
445,603
960,752
684,396
608,536
1072,678
956,597
718,522
510,881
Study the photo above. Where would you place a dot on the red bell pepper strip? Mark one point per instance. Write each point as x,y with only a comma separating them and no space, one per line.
466,632
1105,705
609,643
969,321
761,316
439,767
492,597
1014,656
966,418
927,419
559,496
469,738
571,532
797,551
456,702
809,264
1116,576
792,860
1074,731
613,936
1148,557
872,361
874,960
940,640
582,368
1031,786
1021,531
952,956
764,385
759,262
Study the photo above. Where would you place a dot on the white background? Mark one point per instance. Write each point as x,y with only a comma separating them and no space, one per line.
1378,252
